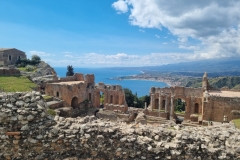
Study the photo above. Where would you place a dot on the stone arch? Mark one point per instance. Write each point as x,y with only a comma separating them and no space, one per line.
117,99
89,96
74,102
57,94
111,99
156,104
196,108
163,104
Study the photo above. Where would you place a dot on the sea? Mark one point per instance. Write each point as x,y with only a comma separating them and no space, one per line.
105,75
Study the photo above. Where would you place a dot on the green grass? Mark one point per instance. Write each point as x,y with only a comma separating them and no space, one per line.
25,69
15,83
22,68
236,123
157,110
47,98
51,112
178,112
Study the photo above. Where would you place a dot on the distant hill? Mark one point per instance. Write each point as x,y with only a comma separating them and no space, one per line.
219,82
215,68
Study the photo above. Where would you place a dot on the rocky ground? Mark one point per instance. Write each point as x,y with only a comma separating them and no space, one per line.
28,132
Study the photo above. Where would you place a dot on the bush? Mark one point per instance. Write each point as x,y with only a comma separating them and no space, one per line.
23,62
30,68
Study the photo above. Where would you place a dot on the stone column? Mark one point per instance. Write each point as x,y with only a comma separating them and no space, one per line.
145,105
152,101
166,104
160,102
172,108
192,108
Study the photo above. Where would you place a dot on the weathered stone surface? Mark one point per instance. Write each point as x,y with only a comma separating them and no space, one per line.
29,133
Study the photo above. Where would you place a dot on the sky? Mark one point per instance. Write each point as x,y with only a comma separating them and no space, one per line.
113,33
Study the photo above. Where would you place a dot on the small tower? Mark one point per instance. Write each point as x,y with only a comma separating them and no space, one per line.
205,84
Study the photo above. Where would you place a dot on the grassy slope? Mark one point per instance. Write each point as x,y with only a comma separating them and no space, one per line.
15,83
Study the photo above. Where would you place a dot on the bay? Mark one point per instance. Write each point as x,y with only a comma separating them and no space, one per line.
139,87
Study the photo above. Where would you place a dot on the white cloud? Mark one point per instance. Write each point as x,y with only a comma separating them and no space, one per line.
39,53
122,59
141,30
214,24
68,55
121,6
157,36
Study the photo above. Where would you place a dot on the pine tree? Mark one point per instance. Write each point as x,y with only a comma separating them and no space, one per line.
70,71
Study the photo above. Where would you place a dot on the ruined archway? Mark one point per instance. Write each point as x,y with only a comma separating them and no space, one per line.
101,95
57,94
116,99
89,96
163,104
180,105
196,108
111,99
156,104
74,102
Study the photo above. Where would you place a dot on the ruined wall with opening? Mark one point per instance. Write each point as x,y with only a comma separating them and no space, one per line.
114,97
165,99
77,89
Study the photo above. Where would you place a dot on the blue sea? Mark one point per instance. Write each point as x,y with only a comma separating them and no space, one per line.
141,87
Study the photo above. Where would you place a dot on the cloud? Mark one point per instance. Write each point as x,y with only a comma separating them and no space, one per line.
39,53
157,36
122,59
141,30
68,55
214,24
121,6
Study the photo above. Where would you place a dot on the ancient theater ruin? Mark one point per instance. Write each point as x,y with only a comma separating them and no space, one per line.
202,104
77,88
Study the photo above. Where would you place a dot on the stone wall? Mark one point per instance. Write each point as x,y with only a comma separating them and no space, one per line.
67,92
27,132
165,98
75,91
217,107
9,71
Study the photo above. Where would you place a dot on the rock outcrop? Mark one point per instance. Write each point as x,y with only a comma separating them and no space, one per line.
28,132
44,73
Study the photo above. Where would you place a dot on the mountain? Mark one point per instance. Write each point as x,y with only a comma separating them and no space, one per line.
215,68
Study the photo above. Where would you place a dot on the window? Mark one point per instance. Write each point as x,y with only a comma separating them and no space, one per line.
9,57
19,57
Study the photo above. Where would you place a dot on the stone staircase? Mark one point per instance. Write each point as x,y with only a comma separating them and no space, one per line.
59,106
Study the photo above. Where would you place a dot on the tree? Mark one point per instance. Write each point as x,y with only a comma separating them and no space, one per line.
70,71
180,105
132,99
129,97
35,59
144,99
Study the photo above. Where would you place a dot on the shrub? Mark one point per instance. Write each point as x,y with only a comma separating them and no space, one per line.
51,112
30,68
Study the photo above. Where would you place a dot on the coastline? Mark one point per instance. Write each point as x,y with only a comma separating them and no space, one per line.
168,82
